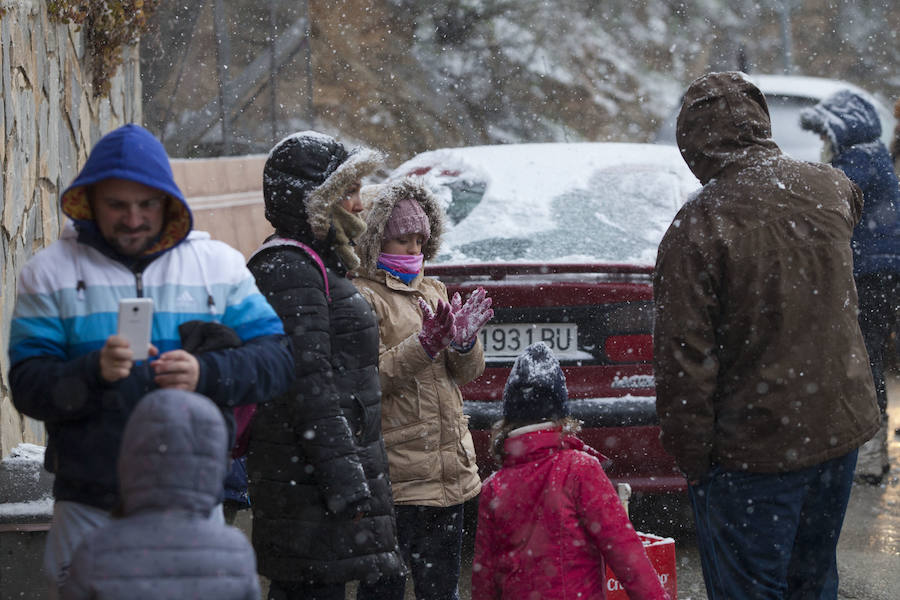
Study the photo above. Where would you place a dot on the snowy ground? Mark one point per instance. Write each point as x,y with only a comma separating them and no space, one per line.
869,550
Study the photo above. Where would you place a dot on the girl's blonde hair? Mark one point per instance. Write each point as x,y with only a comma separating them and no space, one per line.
501,430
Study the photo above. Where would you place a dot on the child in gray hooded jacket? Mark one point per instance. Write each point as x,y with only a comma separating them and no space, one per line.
165,544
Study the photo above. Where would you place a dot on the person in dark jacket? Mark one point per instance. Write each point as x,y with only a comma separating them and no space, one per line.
129,235
164,544
851,131
319,484
763,387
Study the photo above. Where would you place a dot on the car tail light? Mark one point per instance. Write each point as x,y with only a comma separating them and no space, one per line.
629,348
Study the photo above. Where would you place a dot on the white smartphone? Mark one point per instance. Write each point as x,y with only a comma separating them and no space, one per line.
135,323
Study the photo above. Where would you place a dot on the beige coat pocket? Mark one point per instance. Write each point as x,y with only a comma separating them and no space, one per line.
402,406
412,450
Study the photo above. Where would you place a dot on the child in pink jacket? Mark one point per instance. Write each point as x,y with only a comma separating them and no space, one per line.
549,519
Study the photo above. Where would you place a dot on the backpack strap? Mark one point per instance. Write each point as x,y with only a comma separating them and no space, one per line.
283,241
244,414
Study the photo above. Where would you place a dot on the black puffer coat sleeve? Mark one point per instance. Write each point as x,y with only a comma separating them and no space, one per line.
250,374
295,288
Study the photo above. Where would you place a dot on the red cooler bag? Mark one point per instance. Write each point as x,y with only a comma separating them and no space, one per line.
661,552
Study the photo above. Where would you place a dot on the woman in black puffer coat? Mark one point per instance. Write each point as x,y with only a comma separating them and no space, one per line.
319,485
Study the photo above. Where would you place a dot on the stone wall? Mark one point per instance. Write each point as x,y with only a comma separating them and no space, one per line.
48,123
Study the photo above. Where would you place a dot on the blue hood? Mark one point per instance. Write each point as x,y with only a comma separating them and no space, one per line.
133,153
847,118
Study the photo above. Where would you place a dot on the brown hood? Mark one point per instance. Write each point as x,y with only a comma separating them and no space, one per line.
381,200
724,120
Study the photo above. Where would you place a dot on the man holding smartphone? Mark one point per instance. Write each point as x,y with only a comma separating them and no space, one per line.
129,236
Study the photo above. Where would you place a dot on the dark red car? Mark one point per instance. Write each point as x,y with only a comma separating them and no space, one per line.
564,238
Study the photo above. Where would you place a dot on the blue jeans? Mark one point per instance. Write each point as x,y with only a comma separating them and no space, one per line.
430,540
772,536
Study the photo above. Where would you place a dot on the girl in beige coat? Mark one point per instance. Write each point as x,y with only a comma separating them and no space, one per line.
429,347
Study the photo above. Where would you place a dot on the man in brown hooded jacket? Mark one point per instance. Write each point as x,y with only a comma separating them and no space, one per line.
764,392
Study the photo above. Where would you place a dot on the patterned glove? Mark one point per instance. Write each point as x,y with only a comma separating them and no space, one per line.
469,318
437,327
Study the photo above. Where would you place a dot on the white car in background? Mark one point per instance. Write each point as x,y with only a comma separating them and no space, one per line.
786,96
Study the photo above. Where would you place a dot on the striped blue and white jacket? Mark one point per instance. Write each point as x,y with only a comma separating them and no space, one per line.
68,296
66,307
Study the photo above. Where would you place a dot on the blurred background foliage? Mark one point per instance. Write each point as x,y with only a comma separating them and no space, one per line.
411,75
109,25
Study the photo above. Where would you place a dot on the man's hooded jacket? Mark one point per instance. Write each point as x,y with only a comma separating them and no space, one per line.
67,305
164,543
759,361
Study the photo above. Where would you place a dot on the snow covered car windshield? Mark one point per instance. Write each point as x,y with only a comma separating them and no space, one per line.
555,203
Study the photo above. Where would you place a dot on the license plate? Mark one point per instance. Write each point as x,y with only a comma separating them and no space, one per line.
508,341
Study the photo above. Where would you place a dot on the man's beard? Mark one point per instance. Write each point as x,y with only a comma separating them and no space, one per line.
127,251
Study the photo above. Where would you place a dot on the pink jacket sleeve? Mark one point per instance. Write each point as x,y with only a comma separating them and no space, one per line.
484,568
604,517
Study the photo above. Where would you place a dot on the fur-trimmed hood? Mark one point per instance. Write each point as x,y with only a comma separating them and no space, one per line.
305,176
381,200
845,117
